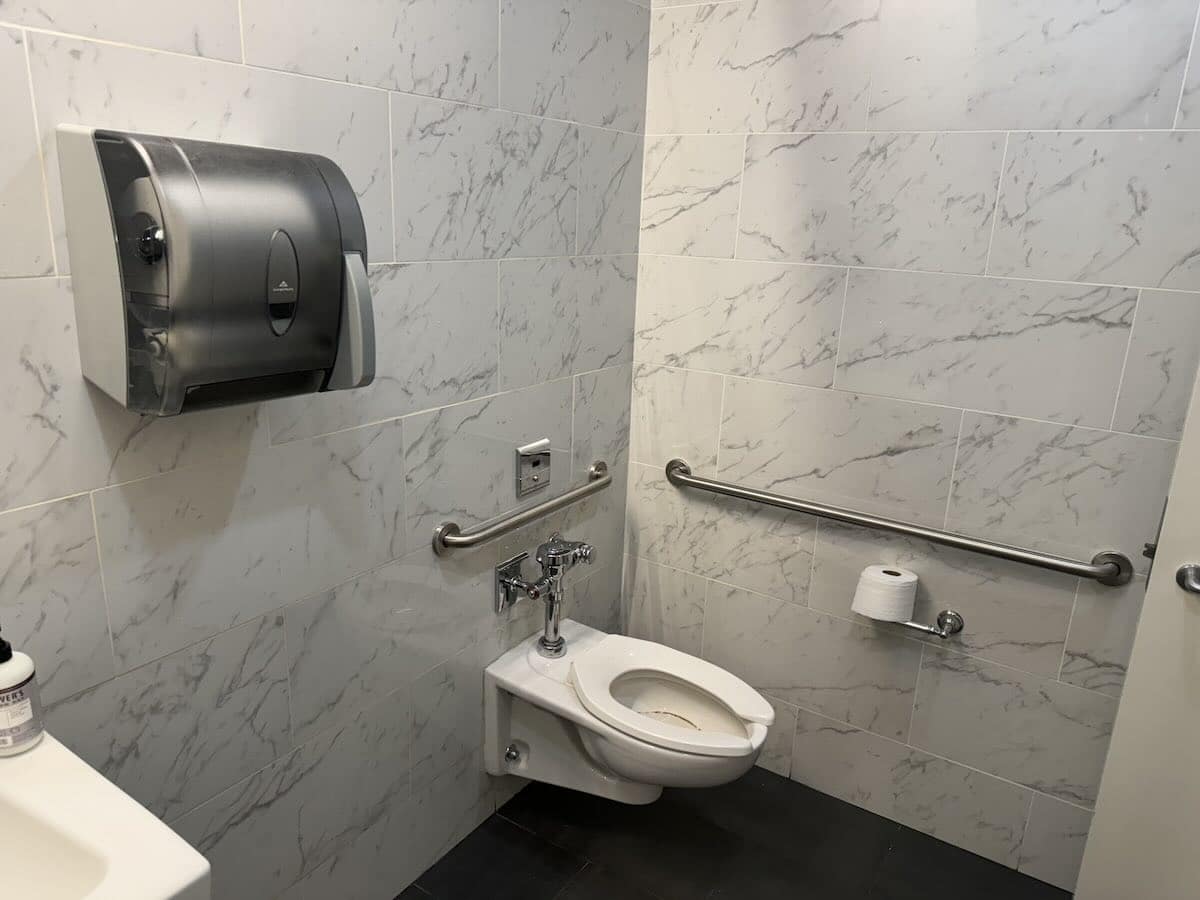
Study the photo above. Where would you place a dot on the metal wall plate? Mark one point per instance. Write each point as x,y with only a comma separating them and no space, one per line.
533,467
510,568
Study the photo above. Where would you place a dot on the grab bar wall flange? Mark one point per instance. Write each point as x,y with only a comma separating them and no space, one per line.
448,536
1108,567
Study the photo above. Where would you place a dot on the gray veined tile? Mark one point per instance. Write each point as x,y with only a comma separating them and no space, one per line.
459,461
51,596
425,314
745,544
263,832
914,201
179,730
67,436
851,672
1161,367
868,453
351,646
1049,351
580,60
967,808
675,413
663,605
1049,736
758,319
24,224
776,755
1016,615
1112,208
768,65
439,48
1027,64
1074,491
600,425
595,599
199,550
1054,841
202,29
561,316
690,189
476,183
82,82
1102,629
610,190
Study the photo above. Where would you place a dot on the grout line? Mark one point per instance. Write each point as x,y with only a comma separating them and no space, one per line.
578,182
391,165
1137,305
1025,830
737,224
1187,67
987,260
241,29
499,50
912,715
41,153
1062,658
720,424
930,131
962,420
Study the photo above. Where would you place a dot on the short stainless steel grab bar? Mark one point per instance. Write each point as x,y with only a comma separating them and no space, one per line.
448,536
1107,567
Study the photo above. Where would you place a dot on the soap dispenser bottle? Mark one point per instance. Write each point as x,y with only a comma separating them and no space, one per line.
20,705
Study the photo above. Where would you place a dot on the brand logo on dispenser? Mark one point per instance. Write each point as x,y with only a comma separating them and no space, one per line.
283,286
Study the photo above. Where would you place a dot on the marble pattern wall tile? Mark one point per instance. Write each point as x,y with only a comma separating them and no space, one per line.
1102,629
676,413
1017,615
1189,102
180,730
458,461
1051,351
351,646
262,833
663,605
690,195
51,596
196,551
1049,736
854,673
776,755
24,223
610,190
748,545
1109,208
761,65
1054,841
600,425
970,809
205,29
758,319
1160,370
67,436
439,48
607,301
476,183
864,452
80,82
595,599
424,314
1071,490
913,201
944,65
575,59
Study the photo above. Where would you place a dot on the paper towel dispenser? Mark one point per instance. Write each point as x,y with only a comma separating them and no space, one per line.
209,274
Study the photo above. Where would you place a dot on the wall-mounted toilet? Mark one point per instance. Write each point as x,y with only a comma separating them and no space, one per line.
619,717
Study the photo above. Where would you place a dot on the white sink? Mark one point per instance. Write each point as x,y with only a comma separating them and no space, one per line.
66,833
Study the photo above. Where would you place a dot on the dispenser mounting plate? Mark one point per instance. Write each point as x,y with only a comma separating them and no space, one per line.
533,467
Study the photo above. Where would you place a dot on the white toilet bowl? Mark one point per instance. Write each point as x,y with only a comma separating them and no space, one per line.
619,717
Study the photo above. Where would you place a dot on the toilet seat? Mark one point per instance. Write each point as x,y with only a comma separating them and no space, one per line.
698,685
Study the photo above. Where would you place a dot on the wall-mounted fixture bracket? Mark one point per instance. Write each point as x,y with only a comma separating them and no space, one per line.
948,622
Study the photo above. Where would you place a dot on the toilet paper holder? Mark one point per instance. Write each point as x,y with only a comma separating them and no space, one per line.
948,622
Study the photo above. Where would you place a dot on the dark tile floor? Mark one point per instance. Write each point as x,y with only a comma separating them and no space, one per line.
761,838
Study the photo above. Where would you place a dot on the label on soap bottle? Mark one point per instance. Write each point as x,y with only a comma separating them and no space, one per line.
20,714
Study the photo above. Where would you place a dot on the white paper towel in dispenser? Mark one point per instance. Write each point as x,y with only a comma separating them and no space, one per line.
886,593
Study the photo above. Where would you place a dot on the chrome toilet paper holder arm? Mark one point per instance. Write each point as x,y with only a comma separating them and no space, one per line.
948,622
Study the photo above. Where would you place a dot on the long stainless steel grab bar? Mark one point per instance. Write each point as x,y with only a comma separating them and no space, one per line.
1107,567
448,536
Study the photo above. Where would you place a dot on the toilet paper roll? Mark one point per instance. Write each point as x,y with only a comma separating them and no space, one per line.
886,593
